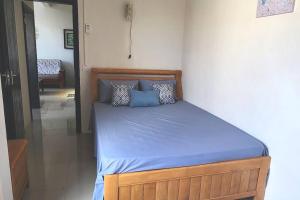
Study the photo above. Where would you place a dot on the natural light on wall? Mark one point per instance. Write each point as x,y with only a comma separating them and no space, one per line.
246,70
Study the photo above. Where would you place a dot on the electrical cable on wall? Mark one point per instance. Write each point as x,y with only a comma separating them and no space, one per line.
130,39
129,17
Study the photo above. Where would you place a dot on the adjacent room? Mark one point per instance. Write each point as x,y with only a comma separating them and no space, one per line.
149,99
49,32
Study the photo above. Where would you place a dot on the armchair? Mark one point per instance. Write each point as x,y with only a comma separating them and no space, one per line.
50,72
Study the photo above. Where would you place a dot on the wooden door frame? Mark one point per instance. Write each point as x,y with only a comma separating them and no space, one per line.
74,4
27,9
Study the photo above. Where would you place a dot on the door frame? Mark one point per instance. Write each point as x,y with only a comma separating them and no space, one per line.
27,9
74,4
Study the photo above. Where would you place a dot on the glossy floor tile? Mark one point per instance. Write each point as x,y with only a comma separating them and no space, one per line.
57,104
61,163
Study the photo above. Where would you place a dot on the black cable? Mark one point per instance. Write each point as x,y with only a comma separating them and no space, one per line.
130,38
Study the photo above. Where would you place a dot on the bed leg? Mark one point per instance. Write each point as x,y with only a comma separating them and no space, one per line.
111,187
262,179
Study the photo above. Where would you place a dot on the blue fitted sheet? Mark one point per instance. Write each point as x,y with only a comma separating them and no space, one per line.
138,139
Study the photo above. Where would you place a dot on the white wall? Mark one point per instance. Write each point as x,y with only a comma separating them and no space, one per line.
157,38
50,23
5,180
246,71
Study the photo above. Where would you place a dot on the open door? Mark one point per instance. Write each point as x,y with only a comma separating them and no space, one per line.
9,69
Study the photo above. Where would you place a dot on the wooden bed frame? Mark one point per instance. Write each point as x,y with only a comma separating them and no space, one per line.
58,80
228,180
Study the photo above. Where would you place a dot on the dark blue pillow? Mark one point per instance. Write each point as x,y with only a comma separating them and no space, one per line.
148,84
144,98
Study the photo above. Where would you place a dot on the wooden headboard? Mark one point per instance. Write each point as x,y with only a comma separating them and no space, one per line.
133,74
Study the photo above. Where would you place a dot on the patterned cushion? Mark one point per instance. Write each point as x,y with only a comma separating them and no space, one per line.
121,94
105,88
167,93
48,66
148,84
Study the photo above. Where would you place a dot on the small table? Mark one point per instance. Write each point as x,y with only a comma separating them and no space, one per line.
17,150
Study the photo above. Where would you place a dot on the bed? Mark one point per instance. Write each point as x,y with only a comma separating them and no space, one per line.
171,152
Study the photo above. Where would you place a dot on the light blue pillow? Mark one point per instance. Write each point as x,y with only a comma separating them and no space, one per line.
105,87
148,84
144,98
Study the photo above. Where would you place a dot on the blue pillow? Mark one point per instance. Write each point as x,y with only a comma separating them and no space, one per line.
148,84
105,87
144,98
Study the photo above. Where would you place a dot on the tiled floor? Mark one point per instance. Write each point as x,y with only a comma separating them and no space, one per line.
61,163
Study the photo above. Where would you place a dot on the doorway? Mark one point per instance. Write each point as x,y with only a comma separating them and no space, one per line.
51,37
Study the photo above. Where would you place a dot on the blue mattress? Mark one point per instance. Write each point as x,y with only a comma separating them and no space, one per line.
138,139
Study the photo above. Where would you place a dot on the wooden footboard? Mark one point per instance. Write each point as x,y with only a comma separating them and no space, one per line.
225,180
